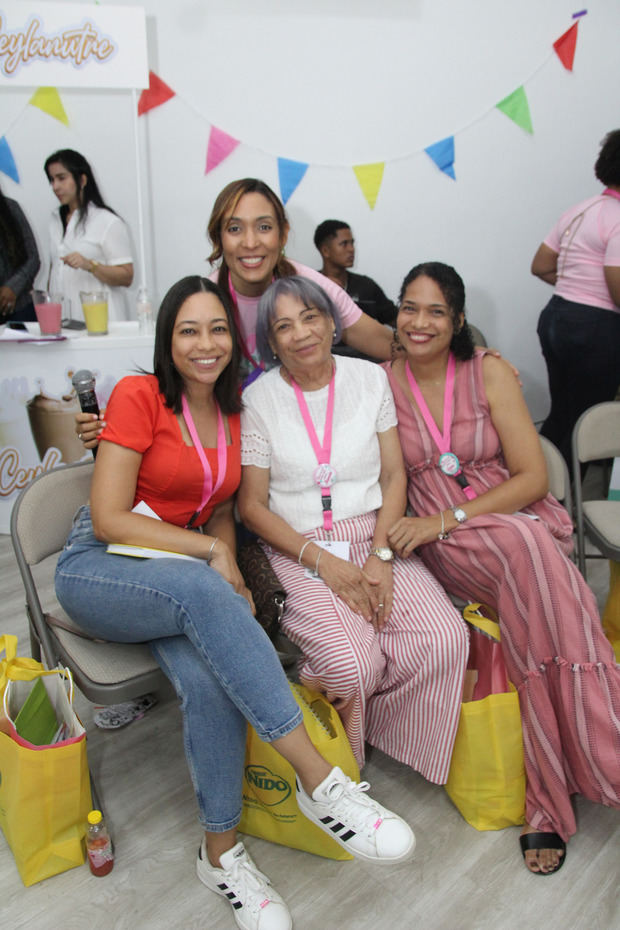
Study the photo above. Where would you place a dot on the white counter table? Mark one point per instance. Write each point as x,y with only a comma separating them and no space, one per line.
37,402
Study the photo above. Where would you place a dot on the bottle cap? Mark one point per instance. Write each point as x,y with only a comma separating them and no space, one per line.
95,817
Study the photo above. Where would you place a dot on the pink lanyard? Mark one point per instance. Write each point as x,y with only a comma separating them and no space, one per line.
324,474
448,461
208,490
242,343
611,193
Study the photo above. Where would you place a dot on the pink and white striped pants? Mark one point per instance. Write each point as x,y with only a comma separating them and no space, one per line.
399,689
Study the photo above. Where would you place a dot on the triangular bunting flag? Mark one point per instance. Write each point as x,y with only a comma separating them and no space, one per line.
290,174
516,108
48,100
369,178
154,95
220,146
7,162
442,153
565,47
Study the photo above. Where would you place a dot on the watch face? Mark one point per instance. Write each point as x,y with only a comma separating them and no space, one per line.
383,553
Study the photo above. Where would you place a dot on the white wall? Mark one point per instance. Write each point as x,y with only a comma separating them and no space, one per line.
337,84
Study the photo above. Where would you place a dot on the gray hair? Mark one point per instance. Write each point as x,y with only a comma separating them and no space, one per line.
306,291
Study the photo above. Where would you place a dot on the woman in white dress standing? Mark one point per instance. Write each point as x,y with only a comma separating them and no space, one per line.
90,247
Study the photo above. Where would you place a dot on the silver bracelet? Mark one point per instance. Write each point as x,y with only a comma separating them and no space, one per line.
316,567
211,548
301,551
442,533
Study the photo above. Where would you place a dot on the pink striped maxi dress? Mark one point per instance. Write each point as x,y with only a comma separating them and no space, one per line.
400,689
554,646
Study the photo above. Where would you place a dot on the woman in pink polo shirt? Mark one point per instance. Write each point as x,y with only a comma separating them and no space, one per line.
579,329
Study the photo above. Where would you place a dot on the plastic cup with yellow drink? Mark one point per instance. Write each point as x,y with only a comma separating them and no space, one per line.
95,309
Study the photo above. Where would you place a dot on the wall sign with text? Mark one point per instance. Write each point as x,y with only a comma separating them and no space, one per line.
72,45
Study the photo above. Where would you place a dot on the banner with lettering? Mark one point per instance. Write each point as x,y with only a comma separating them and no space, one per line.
72,45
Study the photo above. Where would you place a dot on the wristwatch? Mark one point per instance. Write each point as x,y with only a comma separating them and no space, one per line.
384,553
459,514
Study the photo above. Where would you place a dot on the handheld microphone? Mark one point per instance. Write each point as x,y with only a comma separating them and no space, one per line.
84,385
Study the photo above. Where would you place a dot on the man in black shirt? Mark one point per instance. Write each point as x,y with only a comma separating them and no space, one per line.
336,244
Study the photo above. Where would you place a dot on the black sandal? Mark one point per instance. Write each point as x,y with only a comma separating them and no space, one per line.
543,841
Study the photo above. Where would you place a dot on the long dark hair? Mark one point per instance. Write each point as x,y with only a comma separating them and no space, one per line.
170,382
11,238
225,203
451,286
77,166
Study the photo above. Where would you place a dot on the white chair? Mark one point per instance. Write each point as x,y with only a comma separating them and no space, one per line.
596,436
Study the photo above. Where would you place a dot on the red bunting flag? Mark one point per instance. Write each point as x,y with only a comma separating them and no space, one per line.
157,93
565,47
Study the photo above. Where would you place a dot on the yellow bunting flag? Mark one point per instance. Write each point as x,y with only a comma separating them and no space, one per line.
48,100
369,178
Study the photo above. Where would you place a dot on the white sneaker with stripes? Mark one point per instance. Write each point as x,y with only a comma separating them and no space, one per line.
256,905
360,825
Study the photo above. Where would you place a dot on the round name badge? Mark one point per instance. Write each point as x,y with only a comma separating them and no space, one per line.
324,475
449,464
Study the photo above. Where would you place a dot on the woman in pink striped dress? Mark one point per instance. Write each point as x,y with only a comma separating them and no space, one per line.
322,466
492,533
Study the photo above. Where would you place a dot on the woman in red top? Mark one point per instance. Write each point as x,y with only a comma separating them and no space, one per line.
168,464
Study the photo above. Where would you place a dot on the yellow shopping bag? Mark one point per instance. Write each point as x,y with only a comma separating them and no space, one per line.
487,774
269,803
611,614
12,665
44,790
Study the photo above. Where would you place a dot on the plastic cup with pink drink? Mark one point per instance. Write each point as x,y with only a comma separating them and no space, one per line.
48,308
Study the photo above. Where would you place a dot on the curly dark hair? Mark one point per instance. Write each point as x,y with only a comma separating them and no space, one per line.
451,286
170,382
607,165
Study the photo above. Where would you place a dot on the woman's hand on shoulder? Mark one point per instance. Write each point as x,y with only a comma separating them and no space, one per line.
223,561
88,426
495,353
350,583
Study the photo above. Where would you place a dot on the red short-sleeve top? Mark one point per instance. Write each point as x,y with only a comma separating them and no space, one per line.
171,478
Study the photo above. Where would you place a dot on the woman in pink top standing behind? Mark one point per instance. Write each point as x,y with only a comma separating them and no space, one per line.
579,329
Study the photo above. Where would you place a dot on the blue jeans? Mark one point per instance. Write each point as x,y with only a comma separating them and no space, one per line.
220,661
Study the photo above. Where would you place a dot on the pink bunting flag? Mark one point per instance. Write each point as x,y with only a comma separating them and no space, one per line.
156,94
220,146
565,46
